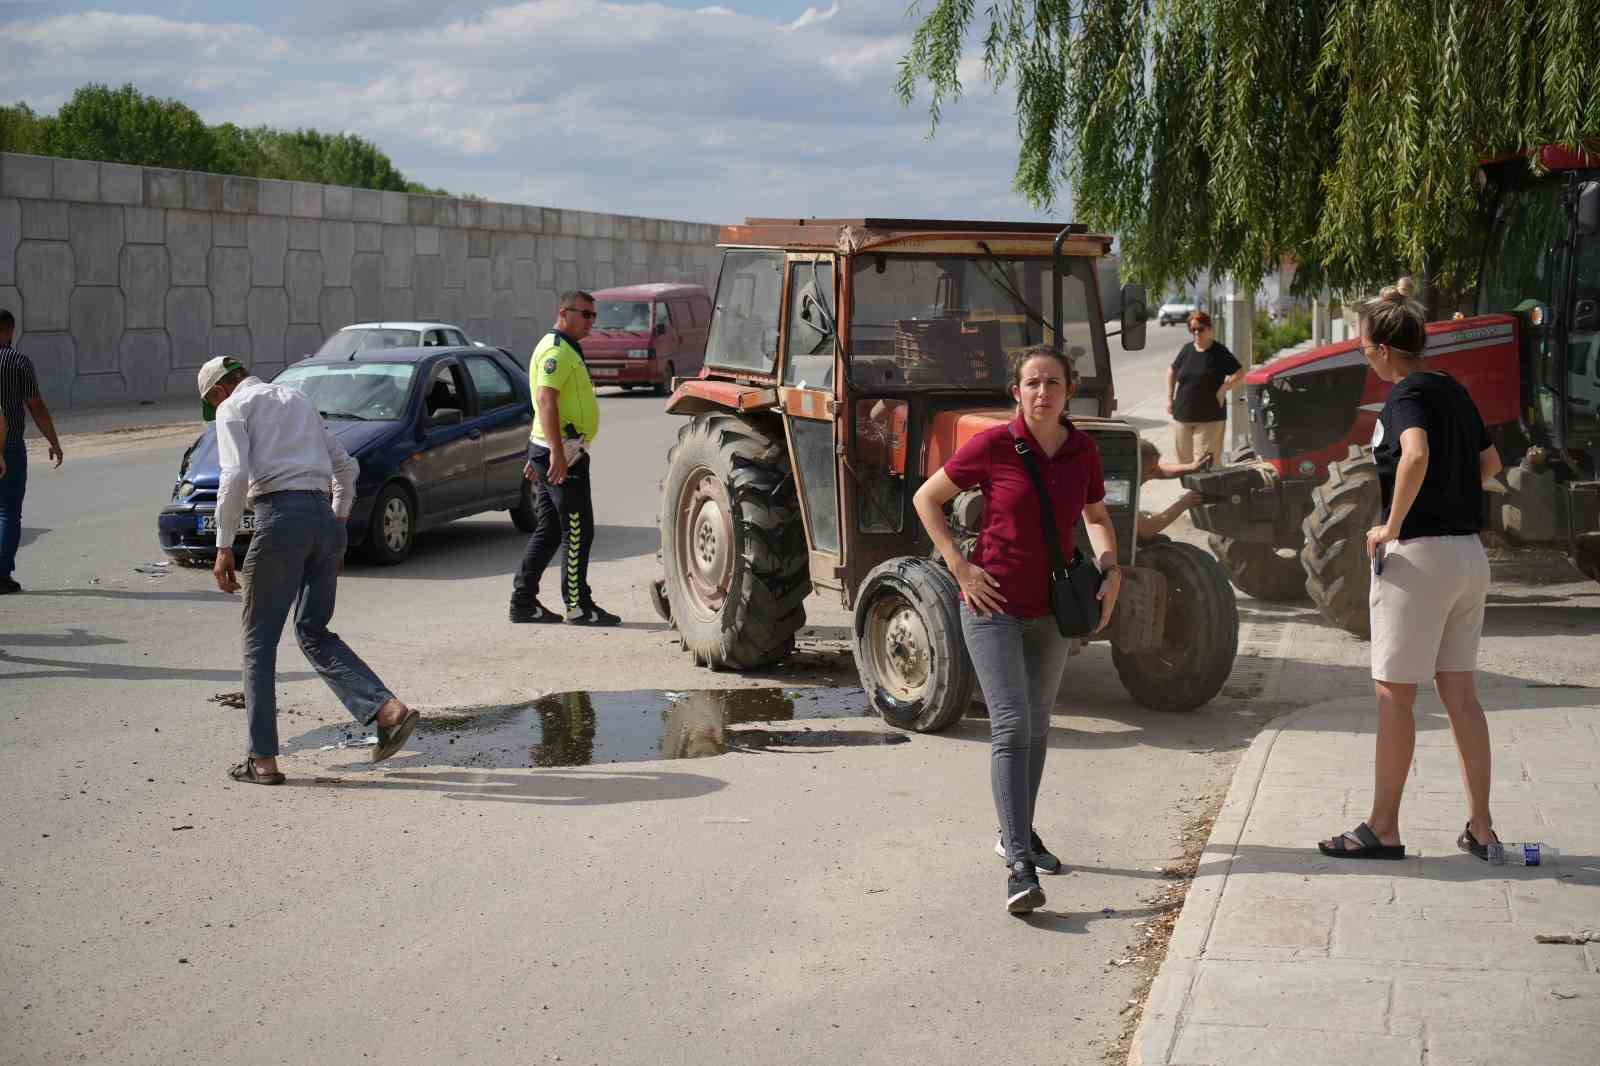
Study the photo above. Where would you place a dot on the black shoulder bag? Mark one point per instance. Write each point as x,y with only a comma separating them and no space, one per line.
1075,585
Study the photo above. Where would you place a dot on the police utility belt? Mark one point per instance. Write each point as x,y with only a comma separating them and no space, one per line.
573,446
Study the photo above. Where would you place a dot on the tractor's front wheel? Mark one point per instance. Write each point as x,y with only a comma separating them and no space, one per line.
1200,635
1338,573
1261,570
733,552
908,645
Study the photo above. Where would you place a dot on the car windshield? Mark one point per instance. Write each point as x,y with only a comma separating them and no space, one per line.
629,316
923,320
363,391
349,341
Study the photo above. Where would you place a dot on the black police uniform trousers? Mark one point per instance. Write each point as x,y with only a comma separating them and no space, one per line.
565,515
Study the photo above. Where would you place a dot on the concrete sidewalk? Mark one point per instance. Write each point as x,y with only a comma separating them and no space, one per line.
1284,956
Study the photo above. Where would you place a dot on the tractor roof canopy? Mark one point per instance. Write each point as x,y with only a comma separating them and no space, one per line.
914,235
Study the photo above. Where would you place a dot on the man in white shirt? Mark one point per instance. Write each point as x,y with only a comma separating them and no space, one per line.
277,452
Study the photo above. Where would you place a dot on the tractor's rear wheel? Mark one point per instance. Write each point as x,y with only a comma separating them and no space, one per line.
733,551
1338,574
1201,636
1261,570
908,645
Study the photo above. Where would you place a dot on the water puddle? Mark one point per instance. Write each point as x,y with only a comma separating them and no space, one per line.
587,728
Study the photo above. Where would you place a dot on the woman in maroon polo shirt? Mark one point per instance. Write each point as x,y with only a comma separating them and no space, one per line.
1010,631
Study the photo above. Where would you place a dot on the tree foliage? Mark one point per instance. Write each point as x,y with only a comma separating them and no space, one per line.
1224,135
125,126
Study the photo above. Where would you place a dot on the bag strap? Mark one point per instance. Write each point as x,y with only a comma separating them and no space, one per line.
1047,511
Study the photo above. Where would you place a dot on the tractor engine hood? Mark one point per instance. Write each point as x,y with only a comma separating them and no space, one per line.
949,430
1309,408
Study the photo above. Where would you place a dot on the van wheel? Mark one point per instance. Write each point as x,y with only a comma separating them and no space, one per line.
664,386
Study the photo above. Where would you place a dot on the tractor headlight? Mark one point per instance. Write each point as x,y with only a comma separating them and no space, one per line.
639,353
1119,492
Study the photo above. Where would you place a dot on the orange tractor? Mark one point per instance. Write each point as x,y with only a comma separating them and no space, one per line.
847,360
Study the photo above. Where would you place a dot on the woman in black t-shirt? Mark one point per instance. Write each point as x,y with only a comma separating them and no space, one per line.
1198,381
1430,573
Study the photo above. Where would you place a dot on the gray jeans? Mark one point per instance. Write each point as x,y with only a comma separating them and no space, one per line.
294,562
1019,663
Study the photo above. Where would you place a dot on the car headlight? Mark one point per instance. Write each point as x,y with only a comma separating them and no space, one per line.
185,490
639,353
1119,492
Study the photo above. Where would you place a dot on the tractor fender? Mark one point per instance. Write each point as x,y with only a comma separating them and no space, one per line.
699,396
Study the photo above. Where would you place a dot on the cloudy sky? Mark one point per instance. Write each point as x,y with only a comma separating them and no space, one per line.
675,109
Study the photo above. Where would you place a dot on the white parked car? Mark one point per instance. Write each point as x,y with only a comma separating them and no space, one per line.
1175,311
368,336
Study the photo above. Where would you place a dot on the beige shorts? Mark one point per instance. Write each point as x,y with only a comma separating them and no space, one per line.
1191,440
1427,608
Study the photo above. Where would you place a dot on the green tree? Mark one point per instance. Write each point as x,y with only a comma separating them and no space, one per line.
21,130
1222,135
125,126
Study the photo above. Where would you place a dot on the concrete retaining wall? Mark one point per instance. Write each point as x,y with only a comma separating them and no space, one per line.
125,279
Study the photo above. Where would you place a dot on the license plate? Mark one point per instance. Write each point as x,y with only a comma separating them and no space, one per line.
208,523
604,371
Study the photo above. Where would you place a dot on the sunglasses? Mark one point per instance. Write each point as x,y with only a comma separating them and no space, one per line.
1199,329
578,311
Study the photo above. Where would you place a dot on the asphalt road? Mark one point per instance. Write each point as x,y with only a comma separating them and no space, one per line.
819,892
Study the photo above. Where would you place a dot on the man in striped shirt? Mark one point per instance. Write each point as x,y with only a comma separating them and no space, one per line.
19,391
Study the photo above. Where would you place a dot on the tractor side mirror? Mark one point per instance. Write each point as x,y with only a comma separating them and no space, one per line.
1134,313
1589,209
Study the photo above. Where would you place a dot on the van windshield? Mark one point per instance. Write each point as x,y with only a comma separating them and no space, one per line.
926,320
622,316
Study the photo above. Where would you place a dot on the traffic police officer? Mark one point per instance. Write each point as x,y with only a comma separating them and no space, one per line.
566,418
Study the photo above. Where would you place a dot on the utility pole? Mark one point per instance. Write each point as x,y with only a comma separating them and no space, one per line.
1240,329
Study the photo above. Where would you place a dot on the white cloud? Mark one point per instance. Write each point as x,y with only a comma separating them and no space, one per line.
641,108
811,16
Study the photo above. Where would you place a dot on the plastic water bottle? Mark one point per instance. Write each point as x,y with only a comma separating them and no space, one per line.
1532,853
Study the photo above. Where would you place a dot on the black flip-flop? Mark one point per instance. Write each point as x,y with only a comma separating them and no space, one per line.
1469,843
245,773
392,738
1370,846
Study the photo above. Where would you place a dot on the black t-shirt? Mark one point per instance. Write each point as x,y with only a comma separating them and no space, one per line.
1450,502
1200,375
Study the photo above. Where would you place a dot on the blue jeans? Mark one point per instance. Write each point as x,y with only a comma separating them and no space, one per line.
294,561
1019,663
12,488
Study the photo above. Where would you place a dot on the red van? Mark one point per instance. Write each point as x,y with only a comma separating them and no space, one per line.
645,334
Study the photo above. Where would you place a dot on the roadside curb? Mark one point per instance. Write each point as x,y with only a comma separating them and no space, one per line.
1169,994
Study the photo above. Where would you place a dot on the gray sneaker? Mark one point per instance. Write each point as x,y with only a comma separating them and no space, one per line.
1023,893
1042,859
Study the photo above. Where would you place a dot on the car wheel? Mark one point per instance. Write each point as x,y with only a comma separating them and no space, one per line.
393,526
523,515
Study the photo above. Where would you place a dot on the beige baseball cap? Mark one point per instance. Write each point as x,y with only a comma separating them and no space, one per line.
214,371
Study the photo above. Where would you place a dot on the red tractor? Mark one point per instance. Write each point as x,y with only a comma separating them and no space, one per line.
1289,516
847,360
